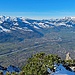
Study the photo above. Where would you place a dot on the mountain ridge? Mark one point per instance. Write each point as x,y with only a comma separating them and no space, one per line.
21,28
20,38
8,24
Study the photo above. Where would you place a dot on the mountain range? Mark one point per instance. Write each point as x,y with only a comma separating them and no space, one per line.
20,28
21,37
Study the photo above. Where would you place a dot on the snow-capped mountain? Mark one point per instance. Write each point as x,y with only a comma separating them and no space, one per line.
21,28
21,37
8,24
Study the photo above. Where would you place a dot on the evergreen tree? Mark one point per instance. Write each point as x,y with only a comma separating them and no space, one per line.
38,64
8,73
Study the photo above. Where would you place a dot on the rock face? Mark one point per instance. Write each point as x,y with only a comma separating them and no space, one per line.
68,56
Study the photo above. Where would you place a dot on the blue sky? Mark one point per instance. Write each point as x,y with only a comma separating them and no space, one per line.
38,8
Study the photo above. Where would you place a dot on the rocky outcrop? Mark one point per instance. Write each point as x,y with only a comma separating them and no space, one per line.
68,56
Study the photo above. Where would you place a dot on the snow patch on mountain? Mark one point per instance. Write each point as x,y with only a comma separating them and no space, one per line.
4,29
26,21
16,24
1,22
36,27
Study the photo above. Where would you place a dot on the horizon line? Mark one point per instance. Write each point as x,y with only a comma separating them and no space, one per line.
39,15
